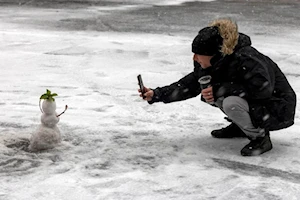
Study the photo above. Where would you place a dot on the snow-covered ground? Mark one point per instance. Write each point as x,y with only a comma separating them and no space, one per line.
116,146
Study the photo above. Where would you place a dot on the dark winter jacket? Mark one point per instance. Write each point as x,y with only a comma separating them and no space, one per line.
246,73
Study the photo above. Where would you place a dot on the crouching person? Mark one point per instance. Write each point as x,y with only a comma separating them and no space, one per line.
245,84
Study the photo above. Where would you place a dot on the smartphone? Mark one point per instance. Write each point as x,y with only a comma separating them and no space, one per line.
142,88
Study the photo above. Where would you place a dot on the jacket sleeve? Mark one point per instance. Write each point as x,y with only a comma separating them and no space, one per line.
185,88
229,89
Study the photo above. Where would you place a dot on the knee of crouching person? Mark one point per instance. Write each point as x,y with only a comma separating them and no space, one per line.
232,103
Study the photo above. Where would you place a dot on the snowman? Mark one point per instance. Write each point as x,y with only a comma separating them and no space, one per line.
47,135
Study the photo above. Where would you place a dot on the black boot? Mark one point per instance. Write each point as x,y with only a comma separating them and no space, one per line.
258,146
230,131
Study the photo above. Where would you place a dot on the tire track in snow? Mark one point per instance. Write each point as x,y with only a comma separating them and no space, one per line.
256,170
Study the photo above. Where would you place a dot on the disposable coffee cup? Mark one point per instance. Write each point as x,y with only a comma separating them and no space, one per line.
205,81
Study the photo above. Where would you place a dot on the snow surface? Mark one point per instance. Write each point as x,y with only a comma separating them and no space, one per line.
158,2
116,146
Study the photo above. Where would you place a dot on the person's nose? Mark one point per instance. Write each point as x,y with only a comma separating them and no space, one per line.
194,57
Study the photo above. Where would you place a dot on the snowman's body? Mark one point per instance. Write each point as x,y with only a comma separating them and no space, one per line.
47,135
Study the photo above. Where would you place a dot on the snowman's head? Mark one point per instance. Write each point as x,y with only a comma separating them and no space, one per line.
49,107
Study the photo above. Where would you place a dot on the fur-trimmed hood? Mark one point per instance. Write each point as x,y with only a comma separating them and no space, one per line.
232,39
221,36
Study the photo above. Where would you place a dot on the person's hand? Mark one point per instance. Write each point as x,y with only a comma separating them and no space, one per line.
148,95
207,94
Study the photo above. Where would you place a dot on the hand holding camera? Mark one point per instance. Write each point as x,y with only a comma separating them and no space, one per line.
145,93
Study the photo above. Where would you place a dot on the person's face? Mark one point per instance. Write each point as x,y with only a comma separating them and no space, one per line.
204,61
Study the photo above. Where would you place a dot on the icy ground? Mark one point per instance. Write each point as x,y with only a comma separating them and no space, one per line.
116,146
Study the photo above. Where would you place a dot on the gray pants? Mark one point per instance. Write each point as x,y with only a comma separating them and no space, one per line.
237,109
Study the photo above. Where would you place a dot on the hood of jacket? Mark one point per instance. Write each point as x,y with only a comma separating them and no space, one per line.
243,41
232,39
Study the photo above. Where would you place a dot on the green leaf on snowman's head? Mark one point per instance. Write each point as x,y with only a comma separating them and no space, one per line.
48,96
44,96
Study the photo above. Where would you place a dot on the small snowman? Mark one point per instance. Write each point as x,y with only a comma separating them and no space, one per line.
47,135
